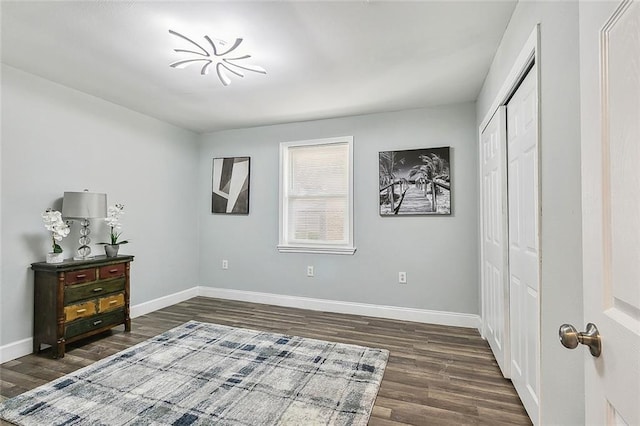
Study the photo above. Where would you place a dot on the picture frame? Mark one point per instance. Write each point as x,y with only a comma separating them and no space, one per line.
415,182
230,185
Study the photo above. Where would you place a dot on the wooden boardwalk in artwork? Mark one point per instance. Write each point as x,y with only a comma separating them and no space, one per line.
415,201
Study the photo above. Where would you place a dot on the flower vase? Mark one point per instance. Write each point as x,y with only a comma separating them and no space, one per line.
55,257
111,249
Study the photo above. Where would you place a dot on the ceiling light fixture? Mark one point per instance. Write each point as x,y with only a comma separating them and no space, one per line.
223,65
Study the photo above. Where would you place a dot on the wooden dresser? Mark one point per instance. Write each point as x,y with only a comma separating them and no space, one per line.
78,298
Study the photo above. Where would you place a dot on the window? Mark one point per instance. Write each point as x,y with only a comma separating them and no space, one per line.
316,196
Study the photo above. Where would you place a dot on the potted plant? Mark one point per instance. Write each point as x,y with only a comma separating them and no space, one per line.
113,220
59,229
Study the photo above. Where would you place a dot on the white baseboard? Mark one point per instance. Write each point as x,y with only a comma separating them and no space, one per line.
16,350
162,302
378,311
23,347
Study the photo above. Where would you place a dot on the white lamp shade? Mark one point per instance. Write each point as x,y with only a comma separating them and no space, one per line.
84,205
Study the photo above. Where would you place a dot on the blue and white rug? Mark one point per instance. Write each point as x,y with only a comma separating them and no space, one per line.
203,374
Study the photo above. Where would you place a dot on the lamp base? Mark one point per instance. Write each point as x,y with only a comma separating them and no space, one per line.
83,257
84,251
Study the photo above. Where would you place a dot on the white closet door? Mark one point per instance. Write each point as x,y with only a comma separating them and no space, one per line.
610,101
493,189
522,160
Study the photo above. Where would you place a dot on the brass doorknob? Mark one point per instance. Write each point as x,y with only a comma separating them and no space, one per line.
570,337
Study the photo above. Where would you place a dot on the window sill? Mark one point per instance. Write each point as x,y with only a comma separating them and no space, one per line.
316,249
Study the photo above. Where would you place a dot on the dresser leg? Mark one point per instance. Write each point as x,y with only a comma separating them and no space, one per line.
58,350
127,324
36,346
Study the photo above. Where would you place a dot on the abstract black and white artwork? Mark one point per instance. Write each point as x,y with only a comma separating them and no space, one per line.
230,189
415,182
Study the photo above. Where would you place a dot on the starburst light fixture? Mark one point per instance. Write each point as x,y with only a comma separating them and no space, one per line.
219,56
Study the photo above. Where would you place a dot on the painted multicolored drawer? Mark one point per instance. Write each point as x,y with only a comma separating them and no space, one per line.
78,292
111,302
93,323
81,310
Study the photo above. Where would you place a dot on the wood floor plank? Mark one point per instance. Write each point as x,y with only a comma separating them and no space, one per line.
376,421
436,375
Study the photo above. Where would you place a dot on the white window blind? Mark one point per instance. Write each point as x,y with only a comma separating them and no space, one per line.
316,196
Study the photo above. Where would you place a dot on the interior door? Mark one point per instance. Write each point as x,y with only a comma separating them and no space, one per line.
610,114
495,289
524,307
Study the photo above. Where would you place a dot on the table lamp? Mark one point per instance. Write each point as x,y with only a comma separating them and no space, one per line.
84,206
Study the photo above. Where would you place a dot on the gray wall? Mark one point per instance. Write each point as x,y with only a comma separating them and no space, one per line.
439,254
55,139
562,383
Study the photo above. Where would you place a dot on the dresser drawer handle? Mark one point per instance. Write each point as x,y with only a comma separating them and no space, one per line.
80,311
113,302
113,271
81,276
95,290
97,322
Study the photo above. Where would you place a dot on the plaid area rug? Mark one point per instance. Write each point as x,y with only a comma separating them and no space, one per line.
203,374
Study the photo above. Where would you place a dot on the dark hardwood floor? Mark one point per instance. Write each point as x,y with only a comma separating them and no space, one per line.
436,375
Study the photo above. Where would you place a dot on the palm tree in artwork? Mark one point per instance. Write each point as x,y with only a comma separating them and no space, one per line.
388,166
432,167
438,165
424,174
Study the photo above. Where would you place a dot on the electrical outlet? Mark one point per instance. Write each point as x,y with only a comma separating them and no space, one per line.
309,271
225,264
402,277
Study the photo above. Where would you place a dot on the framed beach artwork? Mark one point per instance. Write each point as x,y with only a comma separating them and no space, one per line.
415,182
230,186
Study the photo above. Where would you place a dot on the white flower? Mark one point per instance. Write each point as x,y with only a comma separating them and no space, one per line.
59,229
113,215
52,219
113,221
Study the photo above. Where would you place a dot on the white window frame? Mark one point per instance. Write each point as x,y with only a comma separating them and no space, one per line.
284,245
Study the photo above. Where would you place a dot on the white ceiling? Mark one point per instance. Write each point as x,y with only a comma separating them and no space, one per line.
323,59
